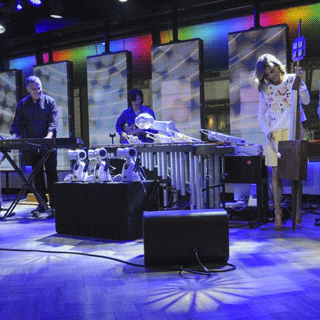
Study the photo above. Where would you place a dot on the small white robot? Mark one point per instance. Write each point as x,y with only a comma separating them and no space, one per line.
81,168
131,168
101,170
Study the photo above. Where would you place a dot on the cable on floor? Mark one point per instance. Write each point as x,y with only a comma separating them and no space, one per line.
205,271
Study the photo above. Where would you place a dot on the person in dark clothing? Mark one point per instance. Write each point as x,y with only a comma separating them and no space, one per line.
36,117
126,122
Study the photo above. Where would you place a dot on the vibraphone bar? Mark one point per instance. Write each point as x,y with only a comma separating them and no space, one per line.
190,167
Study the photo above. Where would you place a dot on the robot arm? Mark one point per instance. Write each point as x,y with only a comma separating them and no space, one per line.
217,136
145,121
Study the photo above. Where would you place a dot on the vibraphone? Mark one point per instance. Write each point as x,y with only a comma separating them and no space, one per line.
190,168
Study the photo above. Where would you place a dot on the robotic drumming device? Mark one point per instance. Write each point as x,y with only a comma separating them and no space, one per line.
81,168
131,168
167,130
101,170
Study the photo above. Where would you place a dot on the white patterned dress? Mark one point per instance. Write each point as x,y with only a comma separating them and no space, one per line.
274,112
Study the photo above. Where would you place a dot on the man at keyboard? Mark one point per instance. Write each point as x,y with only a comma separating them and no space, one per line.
36,117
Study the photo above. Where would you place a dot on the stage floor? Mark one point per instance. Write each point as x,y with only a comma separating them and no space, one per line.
277,276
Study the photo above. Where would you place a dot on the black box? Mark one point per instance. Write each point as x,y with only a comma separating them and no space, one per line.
104,210
245,169
71,208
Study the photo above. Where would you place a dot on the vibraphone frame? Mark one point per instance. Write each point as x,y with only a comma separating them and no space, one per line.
190,167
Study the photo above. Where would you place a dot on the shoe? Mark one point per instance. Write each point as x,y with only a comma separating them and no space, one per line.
278,219
40,208
52,213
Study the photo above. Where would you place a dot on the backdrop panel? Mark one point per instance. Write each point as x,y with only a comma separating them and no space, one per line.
109,80
10,94
56,81
177,87
245,47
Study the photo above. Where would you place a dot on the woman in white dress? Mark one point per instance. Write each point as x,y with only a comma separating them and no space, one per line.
275,87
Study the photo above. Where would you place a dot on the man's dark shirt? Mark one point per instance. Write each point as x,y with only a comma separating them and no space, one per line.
128,117
35,119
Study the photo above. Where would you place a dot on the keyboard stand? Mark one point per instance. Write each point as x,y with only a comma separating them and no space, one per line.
28,182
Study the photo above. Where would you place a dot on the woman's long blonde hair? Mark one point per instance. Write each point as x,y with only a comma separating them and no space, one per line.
265,61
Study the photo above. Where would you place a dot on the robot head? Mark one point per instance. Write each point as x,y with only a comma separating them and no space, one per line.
92,154
127,153
102,152
77,154
144,121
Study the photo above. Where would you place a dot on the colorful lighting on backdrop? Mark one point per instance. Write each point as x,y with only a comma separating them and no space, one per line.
24,64
139,46
214,36
215,39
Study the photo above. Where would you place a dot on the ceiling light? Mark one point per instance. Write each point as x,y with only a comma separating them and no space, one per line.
123,0
56,16
55,9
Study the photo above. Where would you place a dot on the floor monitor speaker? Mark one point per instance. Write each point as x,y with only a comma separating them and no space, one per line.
171,237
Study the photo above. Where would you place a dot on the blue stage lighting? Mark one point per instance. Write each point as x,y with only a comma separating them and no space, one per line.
19,6
36,2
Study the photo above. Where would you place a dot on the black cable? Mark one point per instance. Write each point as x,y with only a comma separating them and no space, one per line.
270,190
67,252
213,186
265,182
142,173
144,187
197,256
165,268
77,253
205,271
169,205
209,272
